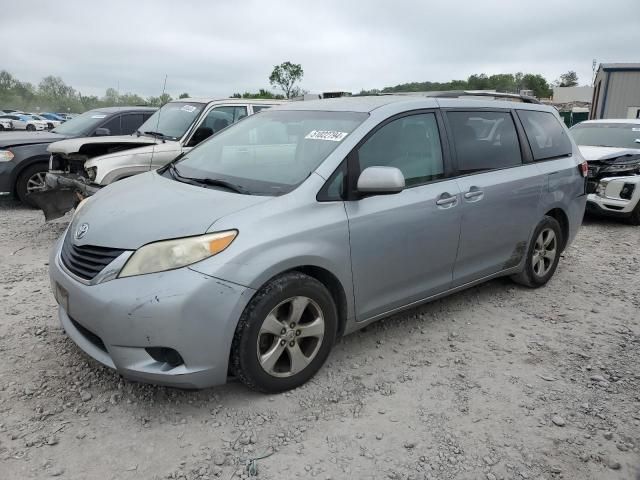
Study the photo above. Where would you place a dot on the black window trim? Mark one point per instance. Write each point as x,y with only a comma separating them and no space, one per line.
350,191
544,159
524,153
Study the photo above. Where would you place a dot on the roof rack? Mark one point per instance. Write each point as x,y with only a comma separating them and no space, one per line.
472,93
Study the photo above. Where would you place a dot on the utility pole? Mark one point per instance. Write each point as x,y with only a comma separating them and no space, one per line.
593,74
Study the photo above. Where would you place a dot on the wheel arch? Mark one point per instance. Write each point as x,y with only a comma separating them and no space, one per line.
563,219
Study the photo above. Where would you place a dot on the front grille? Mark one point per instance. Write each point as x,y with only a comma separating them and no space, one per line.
86,261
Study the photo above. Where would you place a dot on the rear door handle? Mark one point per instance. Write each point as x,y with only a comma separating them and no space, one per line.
447,200
474,194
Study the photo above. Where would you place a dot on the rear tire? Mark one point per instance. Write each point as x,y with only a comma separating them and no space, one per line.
543,254
1,128
31,179
285,334
30,128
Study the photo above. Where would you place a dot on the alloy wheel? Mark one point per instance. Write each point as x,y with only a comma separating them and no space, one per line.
290,337
545,250
36,182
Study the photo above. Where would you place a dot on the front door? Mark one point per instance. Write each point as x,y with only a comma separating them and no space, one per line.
403,246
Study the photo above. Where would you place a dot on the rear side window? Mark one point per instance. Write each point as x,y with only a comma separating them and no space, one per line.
411,144
484,141
131,122
545,134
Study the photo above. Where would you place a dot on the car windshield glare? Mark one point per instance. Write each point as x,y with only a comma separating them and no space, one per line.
173,119
621,135
82,124
271,153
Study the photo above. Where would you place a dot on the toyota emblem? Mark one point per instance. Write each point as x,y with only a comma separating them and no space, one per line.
82,231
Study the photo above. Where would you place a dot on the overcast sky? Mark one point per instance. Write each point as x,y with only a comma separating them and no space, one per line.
216,48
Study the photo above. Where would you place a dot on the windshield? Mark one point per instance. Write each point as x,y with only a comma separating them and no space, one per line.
82,124
271,153
622,135
172,120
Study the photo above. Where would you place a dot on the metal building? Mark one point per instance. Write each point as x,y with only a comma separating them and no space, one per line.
616,91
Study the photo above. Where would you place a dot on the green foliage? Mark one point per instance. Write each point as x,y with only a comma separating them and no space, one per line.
53,94
266,94
184,95
569,79
285,77
503,82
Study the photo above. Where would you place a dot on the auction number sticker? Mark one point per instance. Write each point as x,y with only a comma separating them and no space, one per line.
188,108
330,135
98,116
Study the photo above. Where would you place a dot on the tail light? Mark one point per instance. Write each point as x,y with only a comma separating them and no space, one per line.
584,169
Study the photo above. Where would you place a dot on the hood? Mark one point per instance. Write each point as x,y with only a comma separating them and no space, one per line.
73,145
591,153
149,207
13,139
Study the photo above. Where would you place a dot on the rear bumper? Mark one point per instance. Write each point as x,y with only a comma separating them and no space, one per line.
115,322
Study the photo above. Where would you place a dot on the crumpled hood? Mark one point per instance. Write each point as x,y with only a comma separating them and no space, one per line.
73,145
10,139
591,153
149,207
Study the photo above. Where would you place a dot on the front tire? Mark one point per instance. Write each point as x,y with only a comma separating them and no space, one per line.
31,179
285,333
543,254
31,128
634,219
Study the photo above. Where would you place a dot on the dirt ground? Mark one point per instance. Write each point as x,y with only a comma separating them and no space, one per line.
497,382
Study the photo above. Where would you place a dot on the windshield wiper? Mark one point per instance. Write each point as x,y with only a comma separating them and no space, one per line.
213,182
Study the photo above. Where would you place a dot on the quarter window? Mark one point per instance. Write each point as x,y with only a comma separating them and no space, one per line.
484,141
411,144
545,134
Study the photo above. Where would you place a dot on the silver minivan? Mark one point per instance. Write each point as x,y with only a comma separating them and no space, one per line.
252,253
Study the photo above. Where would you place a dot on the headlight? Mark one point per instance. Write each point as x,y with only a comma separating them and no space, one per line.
171,254
602,188
5,155
92,172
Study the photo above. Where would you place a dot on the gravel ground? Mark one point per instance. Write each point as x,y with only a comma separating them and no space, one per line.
498,382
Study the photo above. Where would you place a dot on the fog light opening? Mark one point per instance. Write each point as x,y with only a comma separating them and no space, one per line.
165,355
627,191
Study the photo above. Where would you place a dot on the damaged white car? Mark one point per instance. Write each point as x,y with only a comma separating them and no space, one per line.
79,167
612,150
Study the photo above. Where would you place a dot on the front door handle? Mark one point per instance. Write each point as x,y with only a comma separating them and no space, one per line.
447,200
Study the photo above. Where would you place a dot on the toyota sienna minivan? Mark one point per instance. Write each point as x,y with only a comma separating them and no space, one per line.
249,255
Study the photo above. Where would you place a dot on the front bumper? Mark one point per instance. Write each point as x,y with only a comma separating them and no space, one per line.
116,321
611,201
6,177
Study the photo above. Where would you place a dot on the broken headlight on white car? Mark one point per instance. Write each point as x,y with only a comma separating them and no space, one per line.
92,172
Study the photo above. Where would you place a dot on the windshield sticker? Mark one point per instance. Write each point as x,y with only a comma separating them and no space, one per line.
188,108
98,116
330,135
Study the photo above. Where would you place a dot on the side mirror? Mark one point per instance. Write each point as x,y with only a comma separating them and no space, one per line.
102,132
380,180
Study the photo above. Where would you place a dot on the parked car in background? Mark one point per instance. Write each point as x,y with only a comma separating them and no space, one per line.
23,121
255,250
612,149
50,123
24,160
5,124
53,117
84,165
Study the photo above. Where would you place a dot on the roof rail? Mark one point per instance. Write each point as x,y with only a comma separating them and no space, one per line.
472,93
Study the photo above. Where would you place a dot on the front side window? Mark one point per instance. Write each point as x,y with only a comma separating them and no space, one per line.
411,144
130,123
546,136
268,154
113,126
621,135
217,119
172,120
484,141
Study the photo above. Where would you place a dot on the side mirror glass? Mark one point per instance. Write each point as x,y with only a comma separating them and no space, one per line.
102,132
380,180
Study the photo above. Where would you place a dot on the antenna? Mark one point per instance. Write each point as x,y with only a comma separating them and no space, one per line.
155,141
